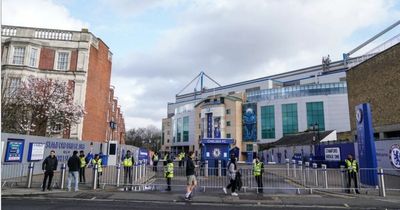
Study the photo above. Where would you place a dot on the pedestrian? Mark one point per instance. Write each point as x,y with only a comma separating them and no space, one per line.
97,161
74,164
190,176
155,161
83,165
169,173
352,173
232,169
49,165
128,163
258,170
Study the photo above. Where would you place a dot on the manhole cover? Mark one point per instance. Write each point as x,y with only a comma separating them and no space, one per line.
92,195
255,197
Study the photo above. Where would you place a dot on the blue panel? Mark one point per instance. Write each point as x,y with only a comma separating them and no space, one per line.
14,150
366,145
250,122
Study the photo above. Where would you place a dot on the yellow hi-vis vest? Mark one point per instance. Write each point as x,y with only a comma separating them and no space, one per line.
257,168
169,170
127,162
98,162
182,156
351,165
155,158
83,162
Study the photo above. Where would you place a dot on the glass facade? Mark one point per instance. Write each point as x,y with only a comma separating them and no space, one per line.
185,129
178,130
315,115
267,122
289,119
297,91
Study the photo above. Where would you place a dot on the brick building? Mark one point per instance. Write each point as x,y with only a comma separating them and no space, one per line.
377,81
116,129
75,56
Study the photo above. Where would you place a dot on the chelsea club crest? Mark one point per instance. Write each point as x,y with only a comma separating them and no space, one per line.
395,156
216,152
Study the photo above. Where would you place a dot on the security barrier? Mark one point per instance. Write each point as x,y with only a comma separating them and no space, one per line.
292,177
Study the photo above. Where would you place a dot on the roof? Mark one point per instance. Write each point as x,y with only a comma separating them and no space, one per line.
305,138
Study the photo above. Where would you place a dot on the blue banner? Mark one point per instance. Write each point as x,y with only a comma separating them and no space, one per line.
14,150
366,145
217,141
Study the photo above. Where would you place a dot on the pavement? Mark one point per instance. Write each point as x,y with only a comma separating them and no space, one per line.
318,200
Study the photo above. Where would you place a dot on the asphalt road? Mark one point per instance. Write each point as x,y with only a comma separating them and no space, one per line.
66,204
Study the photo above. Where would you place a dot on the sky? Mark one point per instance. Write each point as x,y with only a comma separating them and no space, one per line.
161,45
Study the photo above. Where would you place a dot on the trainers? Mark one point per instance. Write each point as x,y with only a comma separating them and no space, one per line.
224,189
234,194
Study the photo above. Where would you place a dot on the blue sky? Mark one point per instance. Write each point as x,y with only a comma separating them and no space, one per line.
160,45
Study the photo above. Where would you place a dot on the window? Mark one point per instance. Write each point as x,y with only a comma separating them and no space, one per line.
289,119
13,84
249,147
162,138
315,115
62,62
228,111
185,129
228,123
33,57
179,129
19,55
167,140
228,135
267,122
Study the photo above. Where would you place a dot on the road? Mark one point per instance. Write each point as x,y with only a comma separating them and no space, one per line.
66,204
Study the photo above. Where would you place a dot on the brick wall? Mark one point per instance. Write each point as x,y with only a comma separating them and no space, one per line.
46,61
74,60
377,81
97,94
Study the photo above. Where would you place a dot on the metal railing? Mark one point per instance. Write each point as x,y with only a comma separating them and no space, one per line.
292,177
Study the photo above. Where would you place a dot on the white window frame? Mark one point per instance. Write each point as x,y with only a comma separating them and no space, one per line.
36,65
56,60
13,54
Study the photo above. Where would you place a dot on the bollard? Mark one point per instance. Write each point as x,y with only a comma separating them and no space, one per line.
325,173
342,177
30,174
62,178
294,168
206,168
300,163
287,167
382,190
136,173
307,173
95,176
144,169
314,165
118,173
219,168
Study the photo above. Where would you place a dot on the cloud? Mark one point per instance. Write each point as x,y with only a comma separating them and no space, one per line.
39,13
237,40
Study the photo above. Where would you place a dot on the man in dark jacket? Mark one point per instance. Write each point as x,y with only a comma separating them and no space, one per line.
190,175
49,166
74,164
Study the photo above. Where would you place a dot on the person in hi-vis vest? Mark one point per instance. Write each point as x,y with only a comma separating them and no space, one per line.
128,163
258,170
97,161
169,173
352,173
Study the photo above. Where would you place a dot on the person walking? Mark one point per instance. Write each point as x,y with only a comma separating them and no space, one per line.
74,164
128,163
352,173
190,176
258,170
232,170
169,173
83,165
155,161
97,161
49,165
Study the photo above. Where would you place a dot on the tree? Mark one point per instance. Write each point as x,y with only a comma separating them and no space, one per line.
40,106
148,137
